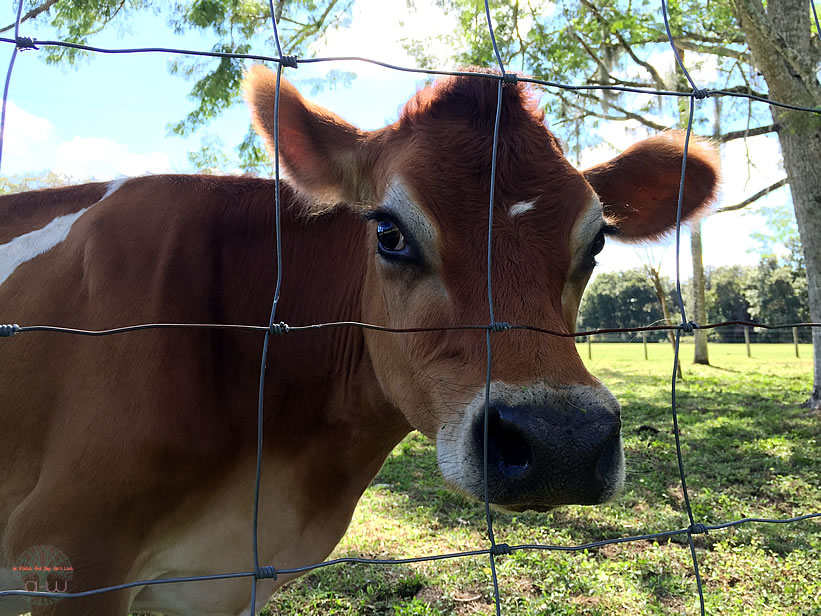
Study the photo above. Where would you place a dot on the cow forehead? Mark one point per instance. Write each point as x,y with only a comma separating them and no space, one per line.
444,149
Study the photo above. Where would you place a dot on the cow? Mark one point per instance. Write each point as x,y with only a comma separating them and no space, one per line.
132,457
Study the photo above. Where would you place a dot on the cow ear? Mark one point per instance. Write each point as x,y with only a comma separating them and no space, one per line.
639,188
322,154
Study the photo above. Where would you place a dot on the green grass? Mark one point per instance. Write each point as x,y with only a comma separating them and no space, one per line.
749,451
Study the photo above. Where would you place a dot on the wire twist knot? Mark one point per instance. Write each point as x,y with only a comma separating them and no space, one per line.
700,94
289,62
500,326
24,42
7,331
262,573
698,529
500,548
277,329
509,79
689,326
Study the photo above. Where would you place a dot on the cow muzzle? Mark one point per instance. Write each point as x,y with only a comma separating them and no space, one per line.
545,447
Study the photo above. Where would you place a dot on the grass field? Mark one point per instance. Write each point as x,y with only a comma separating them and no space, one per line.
749,451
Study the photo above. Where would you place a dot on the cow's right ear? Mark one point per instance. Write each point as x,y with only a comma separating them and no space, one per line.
639,188
323,155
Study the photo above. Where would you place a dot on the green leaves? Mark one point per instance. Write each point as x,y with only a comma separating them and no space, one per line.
622,299
213,93
238,25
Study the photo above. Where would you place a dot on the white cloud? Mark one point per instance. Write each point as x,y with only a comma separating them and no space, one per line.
377,27
103,159
31,145
23,144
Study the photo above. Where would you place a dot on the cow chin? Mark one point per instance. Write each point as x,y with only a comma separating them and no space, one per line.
547,446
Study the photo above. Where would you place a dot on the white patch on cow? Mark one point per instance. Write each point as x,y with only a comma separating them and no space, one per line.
29,245
35,243
584,232
518,209
113,186
587,226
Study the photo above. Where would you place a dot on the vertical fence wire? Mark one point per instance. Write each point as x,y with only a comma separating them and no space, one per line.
263,572
696,93
488,334
8,78
269,571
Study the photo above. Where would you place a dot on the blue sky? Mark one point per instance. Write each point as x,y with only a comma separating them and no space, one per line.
109,117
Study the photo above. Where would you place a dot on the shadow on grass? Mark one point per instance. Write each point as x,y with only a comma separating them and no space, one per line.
368,589
745,455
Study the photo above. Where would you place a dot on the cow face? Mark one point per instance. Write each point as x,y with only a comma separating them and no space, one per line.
422,184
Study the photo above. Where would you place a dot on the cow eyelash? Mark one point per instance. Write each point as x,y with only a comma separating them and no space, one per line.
604,232
407,253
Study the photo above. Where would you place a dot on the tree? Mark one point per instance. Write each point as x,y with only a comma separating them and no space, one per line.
16,184
788,56
777,294
658,287
237,24
726,299
767,53
623,299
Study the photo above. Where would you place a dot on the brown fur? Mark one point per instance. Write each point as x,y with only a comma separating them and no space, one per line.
118,447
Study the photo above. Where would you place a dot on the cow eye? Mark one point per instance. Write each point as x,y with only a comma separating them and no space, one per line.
389,236
598,244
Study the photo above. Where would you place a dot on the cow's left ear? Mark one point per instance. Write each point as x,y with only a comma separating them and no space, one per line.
639,188
323,155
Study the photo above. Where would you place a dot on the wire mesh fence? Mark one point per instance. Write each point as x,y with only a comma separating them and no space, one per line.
742,331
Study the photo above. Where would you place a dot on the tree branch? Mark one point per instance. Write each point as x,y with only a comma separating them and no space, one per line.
593,55
315,27
715,50
701,38
748,132
628,115
745,90
647,66
33,13
754,198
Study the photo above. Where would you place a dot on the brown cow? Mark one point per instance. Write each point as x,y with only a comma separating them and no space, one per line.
132,457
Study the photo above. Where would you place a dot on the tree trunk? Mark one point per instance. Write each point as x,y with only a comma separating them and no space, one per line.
661,295
698,312
780,41
699,305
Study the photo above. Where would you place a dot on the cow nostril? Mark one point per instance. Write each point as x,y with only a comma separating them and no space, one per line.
609,453
507,450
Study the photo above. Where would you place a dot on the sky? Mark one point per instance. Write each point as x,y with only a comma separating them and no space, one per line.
109,117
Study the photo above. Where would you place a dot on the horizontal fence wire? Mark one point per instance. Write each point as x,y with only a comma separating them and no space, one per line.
493,327
284,328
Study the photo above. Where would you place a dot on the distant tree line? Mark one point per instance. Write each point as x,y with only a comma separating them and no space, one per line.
773,292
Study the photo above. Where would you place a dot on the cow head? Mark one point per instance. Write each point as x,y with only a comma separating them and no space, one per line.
422,184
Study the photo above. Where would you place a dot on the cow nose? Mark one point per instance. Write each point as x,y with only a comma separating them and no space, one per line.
508,450
555,455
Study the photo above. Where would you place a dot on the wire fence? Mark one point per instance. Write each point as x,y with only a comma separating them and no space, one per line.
493,327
